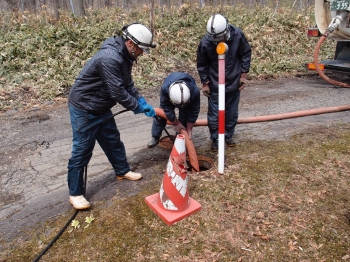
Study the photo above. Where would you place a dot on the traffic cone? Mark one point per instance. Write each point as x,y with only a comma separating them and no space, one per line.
173,202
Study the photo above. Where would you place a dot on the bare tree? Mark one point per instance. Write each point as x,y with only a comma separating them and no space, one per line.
13,4
89,3
151,14
78,7
201,3
55,5
108,3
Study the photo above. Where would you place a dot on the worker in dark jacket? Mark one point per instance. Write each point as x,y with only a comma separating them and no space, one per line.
105,81
179,90
237,64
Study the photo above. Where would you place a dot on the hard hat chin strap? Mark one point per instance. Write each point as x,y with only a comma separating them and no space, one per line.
126,34
212,29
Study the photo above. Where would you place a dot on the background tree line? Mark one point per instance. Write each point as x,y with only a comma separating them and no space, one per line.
78,7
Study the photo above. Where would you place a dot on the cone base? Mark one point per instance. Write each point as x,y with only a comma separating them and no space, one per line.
171,216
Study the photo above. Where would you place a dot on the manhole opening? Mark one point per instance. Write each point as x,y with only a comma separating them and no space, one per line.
204,163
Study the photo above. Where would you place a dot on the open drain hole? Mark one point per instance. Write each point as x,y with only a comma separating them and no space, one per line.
204,163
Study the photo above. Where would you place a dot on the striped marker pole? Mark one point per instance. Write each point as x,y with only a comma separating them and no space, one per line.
221,49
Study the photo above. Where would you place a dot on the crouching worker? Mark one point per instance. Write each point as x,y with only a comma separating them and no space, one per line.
179,90
103,82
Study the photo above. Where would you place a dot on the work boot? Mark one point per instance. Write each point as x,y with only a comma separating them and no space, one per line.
130,176
230,142
214,146
79,202
153,142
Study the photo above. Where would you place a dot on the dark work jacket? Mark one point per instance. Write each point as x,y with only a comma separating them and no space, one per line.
237,60
192,108
106,80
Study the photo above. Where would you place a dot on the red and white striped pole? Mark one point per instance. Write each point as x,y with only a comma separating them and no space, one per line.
221,49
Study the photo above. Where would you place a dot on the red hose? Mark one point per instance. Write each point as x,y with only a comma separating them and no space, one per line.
317,65
203,122
254,119
188,142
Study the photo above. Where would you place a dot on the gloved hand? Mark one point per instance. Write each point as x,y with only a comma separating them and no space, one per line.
189,127
149,110
206,89
140,107
142,101
138,110
178,126
242,81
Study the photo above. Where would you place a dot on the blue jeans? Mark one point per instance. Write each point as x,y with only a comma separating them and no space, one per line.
231,114
87,128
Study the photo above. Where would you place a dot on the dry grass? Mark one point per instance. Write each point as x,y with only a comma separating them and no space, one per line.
278,201
40,58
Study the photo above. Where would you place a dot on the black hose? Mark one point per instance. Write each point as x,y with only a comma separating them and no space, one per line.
56,237
166,131
65,226
76,211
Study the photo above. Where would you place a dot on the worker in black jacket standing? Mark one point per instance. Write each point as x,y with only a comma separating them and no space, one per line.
237,64
105,81
179,90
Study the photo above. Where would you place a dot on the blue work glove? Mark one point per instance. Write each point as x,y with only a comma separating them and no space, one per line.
142,101
140,107
149,110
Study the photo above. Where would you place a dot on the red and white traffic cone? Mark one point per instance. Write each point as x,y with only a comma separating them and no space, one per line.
173,202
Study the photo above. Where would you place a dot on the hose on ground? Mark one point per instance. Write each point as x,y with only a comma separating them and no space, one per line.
317,65
255,119
64,227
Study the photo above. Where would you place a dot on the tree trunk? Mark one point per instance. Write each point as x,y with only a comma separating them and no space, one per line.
55,5
108,3
13,4
77,7
152,16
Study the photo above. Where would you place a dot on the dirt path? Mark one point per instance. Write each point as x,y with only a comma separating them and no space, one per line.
35,147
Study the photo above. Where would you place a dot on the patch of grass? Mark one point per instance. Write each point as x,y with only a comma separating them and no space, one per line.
277,201
40,58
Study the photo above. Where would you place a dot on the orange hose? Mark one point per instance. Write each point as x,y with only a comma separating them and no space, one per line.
318,69
203,122
254,119
191,151
188,142
293,114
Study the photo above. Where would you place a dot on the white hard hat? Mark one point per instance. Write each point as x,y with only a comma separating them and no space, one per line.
179,94
140,35
217,27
